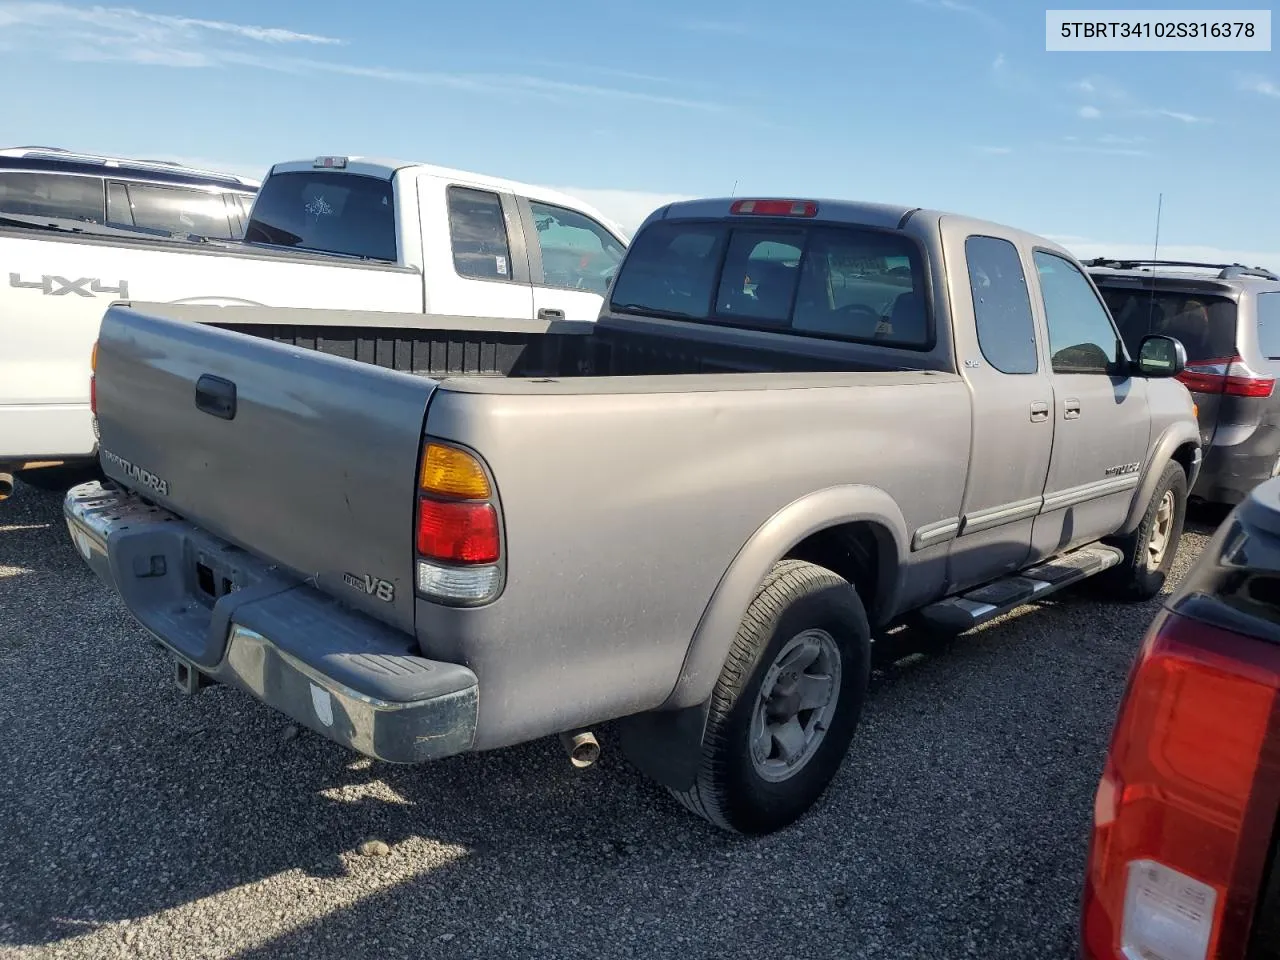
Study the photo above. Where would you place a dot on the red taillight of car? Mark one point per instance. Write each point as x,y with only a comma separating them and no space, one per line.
1181,826
458,532
458,537
1226,375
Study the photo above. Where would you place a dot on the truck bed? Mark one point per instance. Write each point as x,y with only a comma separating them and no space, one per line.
498,347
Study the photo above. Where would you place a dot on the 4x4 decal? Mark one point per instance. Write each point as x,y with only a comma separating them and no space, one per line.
54,286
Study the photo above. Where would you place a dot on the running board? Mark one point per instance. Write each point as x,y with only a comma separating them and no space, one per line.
967,610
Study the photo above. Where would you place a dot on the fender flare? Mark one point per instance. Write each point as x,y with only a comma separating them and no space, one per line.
666,743
1178,434
771,542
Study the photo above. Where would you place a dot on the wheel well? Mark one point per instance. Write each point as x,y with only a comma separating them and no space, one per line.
862,552
1184,456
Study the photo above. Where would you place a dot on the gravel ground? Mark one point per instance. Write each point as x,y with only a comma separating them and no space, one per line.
136,822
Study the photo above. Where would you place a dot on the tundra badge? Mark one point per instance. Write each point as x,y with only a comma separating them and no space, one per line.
137,473
384,590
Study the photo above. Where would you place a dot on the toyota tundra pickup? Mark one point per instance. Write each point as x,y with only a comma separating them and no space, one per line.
332,232
794,426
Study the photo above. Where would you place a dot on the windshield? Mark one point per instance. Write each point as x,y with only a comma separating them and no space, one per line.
1206,325
328,212
846,283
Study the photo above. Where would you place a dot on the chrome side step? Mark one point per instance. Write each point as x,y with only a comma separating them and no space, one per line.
974,607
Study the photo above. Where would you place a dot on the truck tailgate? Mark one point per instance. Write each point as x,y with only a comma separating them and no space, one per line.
306,460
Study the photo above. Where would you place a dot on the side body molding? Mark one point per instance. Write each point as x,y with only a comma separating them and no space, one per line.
1177,434
772,541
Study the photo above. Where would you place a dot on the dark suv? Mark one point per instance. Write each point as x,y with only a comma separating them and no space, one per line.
1228,318
150,196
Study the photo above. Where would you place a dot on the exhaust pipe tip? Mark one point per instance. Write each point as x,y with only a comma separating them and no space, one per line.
582,746
6,486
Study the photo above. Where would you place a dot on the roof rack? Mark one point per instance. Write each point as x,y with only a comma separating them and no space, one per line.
1226,271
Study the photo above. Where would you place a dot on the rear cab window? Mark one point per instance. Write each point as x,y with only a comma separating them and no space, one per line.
326,211
821,280
1205,324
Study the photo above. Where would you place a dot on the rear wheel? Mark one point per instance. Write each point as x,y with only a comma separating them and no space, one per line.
786,704
1149,551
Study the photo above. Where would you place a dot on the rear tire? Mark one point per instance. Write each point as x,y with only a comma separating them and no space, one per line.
1149,551
786,704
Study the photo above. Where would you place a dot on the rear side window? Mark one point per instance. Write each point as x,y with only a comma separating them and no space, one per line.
328,212
843,283
53,195
177,211
478,234
1206,325
1269,325
1001,305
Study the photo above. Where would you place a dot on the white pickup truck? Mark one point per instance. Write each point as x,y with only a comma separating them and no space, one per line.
333,233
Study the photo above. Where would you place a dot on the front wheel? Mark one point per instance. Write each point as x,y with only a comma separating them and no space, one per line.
1150,549
786,704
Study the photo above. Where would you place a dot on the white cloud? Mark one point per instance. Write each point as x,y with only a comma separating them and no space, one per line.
1175,115
1255,83
967,9
1086,249
117,27
1089,113
627,207
128,35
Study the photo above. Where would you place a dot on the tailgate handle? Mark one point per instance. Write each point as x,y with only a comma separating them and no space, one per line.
216,397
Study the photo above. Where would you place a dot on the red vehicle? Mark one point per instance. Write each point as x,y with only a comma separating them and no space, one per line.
1182,861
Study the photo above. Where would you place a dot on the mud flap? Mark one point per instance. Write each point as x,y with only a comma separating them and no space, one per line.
666,745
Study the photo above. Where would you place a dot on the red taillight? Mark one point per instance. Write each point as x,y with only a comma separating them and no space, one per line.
1180,827
1226,375
775,208
93,395
458,532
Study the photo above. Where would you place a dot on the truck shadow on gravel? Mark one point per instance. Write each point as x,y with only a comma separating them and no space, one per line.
956,827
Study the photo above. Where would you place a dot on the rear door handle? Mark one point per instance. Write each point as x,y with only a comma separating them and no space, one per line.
1071,410
1039,411
550,313
216,397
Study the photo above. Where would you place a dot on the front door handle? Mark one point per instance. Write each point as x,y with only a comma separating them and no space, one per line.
1071,410
1039,411
550,313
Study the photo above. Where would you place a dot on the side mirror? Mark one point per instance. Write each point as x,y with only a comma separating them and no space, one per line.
1160,356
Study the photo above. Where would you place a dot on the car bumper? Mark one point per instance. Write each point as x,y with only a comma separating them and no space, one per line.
1237,461
46,431
344,675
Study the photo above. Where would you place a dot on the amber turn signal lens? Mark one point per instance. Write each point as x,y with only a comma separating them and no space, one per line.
453,473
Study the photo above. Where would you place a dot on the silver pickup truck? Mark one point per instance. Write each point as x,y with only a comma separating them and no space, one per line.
795,426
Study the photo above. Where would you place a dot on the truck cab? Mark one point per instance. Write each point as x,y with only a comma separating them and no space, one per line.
487,247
